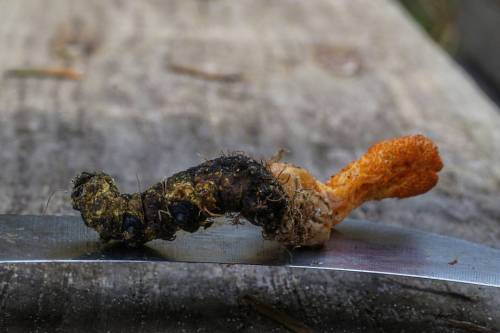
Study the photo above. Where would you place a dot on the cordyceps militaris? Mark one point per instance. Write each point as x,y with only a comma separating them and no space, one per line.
289,204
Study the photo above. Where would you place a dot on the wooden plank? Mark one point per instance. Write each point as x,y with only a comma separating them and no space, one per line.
323,79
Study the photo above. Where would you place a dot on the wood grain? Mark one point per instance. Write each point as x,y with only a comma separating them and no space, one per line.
323,79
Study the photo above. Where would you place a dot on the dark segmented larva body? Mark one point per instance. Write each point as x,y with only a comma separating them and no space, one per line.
186,201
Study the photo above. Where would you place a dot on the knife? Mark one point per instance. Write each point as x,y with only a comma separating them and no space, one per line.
355,245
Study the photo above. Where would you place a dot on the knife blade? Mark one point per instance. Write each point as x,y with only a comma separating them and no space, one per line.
355,245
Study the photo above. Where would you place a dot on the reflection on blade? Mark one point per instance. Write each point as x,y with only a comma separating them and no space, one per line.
355,246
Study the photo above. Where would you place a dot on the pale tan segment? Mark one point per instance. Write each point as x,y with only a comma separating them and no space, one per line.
310,215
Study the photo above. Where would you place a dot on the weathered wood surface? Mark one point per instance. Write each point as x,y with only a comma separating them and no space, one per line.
324,79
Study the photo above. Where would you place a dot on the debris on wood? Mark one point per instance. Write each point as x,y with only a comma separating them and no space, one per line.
444,293
44,73
72,40
340,61
206,75
280,317
469,326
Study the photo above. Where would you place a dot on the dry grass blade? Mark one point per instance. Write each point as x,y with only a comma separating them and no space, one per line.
205,75
278,316
42,73
468,326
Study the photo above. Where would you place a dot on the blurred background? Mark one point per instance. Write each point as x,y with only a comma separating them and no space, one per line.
468,31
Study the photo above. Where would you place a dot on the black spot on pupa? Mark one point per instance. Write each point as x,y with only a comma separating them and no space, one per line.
185,214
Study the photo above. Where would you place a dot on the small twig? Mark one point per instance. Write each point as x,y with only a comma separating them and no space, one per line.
278,316
42,73
447,293
139,187
278,156
73,40
50,198
202,74
468,326
289,253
